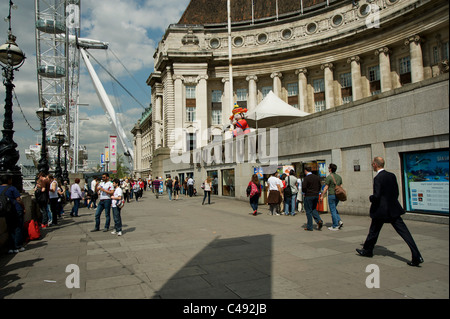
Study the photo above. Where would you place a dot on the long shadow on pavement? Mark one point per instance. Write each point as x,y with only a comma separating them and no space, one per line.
226,268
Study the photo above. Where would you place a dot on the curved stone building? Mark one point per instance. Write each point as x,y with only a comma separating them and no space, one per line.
332,59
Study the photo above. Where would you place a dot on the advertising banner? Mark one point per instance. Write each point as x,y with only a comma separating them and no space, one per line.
425,175
113,153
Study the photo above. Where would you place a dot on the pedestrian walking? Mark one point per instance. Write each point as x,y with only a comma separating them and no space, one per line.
94,195
290,193
254,194
105,189
126,189
311,188
155,185
274,198
75,196
169,187
207,190
176,188
14,217
385,208
331,181
117,198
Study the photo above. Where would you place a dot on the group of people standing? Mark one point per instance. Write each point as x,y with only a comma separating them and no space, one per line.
385,207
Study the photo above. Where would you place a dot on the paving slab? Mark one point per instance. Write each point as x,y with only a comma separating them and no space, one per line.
185,250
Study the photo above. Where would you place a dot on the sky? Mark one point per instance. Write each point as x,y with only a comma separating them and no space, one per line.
132,28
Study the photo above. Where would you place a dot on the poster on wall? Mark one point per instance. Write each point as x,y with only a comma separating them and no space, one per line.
425,176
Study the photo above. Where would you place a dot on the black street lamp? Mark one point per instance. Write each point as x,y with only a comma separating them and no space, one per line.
43,114
60,140
11,59
65,176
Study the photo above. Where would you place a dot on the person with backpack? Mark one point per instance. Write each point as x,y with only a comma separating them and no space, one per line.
254,193
330,184
13,209
290,193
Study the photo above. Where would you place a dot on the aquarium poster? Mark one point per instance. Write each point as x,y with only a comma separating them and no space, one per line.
425,176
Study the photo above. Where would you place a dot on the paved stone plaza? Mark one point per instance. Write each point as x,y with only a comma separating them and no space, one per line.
181,249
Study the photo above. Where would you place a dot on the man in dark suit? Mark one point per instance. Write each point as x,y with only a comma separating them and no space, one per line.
385,208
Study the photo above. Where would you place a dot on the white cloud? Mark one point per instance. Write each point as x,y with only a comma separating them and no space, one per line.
132,27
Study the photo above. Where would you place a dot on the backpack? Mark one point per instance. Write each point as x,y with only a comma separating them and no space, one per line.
287,189
169,183
6,205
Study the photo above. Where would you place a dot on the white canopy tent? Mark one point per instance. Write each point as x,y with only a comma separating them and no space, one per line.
272,110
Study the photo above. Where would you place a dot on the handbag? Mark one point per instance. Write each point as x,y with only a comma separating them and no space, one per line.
287,190
33,231
340,192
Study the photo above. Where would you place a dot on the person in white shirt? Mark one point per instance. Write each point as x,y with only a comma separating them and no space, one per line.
116,198
94,195
274,198
75,196
105,189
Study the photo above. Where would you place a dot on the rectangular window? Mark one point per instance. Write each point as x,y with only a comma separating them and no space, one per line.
216,96
190,91
445,50
265,90
405,65
228,182
405,70
435,54
319,95
191,142
190,114
216,117
374,80
292,89
241,94
346,87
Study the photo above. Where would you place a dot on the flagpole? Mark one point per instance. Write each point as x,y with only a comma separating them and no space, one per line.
230,58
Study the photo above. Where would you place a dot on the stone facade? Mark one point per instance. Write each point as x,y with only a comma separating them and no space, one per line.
320,59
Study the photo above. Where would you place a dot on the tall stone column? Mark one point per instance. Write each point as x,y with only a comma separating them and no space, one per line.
328,78
179,111
169,108
302,89
415,54
276,76
202,109
226,111
252,92
158,125
356,77
385,69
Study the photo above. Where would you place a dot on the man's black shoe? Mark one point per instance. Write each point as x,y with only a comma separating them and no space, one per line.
415,263
364,252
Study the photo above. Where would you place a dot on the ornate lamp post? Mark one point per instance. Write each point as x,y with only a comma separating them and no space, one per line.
11,59
60,140
43,114
65,175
